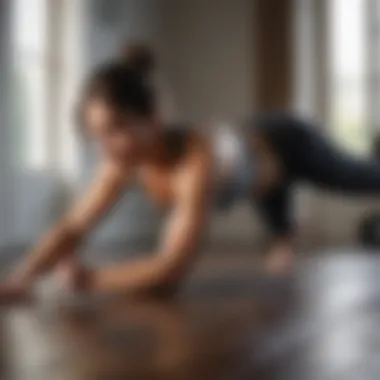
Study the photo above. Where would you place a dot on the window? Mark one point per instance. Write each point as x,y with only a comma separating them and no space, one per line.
373,56
347,89
30,81
46,67
338,68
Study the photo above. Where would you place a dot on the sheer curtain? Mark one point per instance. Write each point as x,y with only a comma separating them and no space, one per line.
338,67
338,83
348,70
49,46
43,58
5,175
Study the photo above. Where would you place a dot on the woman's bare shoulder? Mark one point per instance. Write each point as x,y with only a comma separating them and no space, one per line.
116,170
198,157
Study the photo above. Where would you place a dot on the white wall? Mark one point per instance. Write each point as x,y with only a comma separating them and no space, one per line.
110,22
210,61
5,190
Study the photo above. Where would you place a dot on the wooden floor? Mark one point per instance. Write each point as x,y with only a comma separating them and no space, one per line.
322,324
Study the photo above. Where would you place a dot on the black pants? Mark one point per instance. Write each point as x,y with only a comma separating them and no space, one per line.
310,157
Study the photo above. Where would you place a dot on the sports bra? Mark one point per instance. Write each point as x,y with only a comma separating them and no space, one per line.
234,163
235,167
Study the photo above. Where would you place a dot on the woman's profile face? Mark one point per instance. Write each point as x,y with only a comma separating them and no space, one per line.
120,136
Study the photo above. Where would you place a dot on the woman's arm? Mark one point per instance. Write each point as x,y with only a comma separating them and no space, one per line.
69,233
181,238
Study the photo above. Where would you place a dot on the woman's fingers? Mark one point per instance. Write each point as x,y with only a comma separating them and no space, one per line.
74,275
14,294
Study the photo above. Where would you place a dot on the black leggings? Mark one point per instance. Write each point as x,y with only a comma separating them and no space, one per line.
309,157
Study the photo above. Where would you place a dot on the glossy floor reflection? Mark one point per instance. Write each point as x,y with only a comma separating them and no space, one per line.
322,324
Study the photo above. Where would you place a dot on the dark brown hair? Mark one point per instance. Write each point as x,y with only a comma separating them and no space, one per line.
124,83
139,57
122,88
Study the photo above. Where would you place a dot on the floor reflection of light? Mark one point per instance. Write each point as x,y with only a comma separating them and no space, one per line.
349,346
340,299
31,345
341,285
339,351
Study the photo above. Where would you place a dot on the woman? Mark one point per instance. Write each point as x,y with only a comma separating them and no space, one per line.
185,172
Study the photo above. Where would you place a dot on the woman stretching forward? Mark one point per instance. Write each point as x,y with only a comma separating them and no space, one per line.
185,172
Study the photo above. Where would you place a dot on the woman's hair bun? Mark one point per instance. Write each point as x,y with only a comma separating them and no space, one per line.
139,57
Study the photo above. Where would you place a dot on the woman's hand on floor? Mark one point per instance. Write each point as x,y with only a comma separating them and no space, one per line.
14,293
74,276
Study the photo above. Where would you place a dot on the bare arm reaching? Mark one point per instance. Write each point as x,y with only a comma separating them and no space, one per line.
69,233
180,242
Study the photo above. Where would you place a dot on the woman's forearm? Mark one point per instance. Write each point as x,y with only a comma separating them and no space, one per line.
141,275
133,276
61,241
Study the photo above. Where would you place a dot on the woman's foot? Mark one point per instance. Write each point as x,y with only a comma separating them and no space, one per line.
280,262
